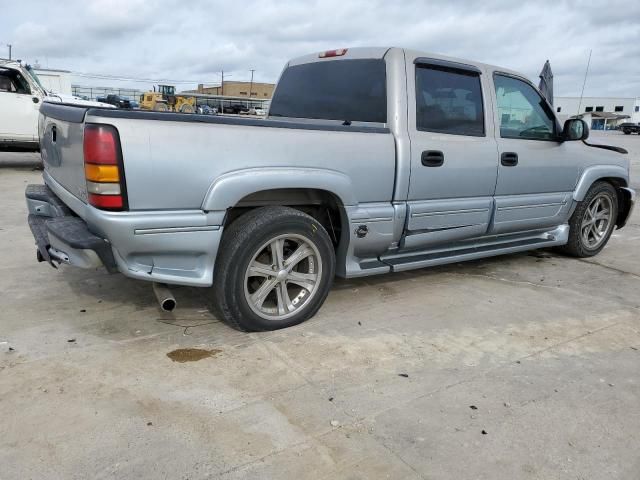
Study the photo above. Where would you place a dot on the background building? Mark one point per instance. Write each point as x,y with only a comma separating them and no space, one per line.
57,81
601,113
238,89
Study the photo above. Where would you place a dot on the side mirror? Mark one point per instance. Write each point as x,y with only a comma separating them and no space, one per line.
575,129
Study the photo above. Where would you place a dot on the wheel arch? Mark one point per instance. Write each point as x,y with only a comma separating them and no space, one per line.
615,175
229,189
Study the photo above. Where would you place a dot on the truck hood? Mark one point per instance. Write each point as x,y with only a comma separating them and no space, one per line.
73,100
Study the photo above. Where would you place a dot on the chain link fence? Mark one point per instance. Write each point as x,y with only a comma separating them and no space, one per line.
92,93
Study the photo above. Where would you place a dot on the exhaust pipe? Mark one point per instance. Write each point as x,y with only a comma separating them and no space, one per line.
165,297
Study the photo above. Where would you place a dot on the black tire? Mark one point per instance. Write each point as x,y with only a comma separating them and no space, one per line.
242,241
626,132
576,246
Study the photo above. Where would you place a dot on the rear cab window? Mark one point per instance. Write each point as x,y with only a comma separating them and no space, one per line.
344,90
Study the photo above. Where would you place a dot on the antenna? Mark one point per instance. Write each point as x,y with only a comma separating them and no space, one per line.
585,82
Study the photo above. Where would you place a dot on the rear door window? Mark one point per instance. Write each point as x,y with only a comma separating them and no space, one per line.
346,90
449,100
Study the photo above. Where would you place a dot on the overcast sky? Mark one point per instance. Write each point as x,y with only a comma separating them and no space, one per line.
192,40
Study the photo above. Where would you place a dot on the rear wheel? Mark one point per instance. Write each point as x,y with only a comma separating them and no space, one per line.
592,221
186,109
275,268
627,132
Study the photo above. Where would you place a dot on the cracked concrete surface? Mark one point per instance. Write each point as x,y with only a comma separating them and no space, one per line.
544,347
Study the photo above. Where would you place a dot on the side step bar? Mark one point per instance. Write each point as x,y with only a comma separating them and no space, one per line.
490,247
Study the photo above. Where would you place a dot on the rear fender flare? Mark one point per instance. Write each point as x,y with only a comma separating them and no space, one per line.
228,189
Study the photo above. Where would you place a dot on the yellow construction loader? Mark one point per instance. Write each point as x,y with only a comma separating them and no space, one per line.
166,100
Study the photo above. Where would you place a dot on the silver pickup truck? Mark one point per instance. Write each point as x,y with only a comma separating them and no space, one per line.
371,160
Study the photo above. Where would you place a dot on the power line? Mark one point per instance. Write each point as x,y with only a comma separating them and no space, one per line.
104,76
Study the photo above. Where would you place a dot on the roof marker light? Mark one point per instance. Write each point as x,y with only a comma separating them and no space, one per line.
333,53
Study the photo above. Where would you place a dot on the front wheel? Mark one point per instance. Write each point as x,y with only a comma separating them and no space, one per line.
274,269
593,221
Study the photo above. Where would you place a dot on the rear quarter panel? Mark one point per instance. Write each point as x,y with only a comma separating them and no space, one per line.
171,165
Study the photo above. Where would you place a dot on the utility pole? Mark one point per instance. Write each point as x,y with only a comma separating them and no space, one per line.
251,84
9,45
222,84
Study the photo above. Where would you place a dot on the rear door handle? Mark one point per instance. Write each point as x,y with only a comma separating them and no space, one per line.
432,158
509,159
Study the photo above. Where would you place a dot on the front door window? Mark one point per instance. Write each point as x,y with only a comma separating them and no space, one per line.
522,112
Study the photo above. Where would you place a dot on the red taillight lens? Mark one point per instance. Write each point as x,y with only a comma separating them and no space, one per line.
105,184
106,201
100,145
333,53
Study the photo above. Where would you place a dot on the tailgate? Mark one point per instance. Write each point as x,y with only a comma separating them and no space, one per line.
61,134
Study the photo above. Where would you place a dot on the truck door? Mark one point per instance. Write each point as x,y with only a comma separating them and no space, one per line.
537,173
19,119
454,160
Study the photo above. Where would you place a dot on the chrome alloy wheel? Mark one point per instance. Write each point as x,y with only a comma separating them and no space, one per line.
596,221
283,276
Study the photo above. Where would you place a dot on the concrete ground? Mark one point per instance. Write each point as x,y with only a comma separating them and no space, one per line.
518,367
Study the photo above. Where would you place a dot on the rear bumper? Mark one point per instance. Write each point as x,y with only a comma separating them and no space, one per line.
62,237
175,247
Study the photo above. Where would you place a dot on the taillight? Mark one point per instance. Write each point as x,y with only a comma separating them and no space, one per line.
103,168
333,53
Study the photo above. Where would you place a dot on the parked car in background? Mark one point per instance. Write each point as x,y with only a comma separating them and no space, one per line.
118,101
257,111
21,95
418,160
236,109
628,128
206,110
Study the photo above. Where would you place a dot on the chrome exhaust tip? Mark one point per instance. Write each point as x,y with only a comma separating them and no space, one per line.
165,298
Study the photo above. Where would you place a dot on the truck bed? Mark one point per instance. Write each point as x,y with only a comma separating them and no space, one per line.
171,160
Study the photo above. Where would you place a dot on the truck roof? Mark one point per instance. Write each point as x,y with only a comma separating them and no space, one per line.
380,52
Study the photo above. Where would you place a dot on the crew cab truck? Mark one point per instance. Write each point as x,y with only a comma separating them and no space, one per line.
371,160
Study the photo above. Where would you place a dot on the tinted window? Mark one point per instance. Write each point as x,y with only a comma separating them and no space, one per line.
619,109
588,109
353,90
449,101
14,82
523,113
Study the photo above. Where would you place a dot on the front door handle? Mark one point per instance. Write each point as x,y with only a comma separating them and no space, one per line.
432,158
509,159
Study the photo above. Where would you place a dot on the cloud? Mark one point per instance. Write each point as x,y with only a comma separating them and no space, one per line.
195,40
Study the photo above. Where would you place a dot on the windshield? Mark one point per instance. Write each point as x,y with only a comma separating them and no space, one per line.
35,78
